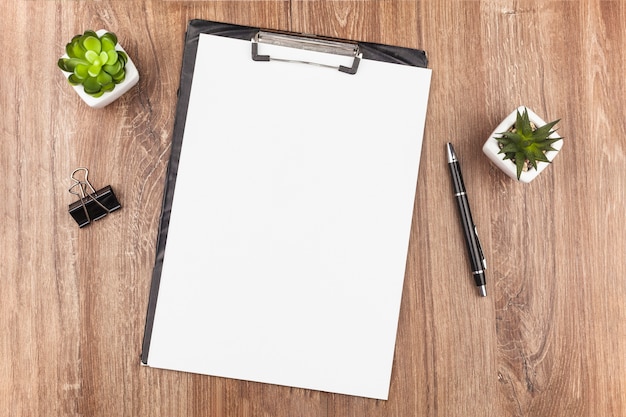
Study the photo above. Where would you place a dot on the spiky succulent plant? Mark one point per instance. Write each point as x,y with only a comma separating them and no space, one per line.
94,62
526,144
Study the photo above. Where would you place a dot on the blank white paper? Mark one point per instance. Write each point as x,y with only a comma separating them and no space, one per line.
290,223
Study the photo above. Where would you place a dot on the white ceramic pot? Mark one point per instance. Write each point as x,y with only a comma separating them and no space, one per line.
131,78
491,147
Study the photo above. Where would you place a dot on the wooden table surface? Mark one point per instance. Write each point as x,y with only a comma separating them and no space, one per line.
549,340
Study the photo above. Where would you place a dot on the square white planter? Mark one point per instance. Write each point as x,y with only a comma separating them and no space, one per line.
131,78
491,148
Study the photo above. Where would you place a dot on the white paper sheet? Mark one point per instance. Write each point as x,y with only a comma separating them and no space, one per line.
290,223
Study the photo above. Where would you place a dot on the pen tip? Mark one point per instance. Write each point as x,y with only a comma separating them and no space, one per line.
482,290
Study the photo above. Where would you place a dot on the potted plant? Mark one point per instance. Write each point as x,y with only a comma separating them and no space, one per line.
523,145
98,67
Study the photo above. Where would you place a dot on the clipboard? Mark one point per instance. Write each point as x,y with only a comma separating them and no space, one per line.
278,303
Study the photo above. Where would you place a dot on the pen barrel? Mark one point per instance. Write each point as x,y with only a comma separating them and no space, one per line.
467,222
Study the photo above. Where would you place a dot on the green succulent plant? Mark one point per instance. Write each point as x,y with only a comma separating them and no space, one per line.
94,62
526,144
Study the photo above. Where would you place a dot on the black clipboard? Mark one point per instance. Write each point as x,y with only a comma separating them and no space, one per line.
359,50
373,51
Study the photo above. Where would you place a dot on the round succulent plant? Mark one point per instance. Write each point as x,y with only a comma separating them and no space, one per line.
94,62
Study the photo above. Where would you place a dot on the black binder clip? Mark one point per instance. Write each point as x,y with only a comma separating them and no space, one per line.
92,205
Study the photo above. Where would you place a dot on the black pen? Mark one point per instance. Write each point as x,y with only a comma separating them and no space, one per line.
477,258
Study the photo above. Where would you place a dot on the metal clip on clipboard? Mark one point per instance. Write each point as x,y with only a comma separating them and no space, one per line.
307,43
92,205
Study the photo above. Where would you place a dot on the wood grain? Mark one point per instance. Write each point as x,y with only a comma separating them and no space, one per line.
549,340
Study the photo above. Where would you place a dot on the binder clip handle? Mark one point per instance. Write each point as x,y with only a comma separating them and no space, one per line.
82,184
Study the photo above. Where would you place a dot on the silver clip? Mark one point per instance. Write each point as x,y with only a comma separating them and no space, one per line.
310,44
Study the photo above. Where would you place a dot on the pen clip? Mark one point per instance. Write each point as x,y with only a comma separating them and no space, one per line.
480,248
